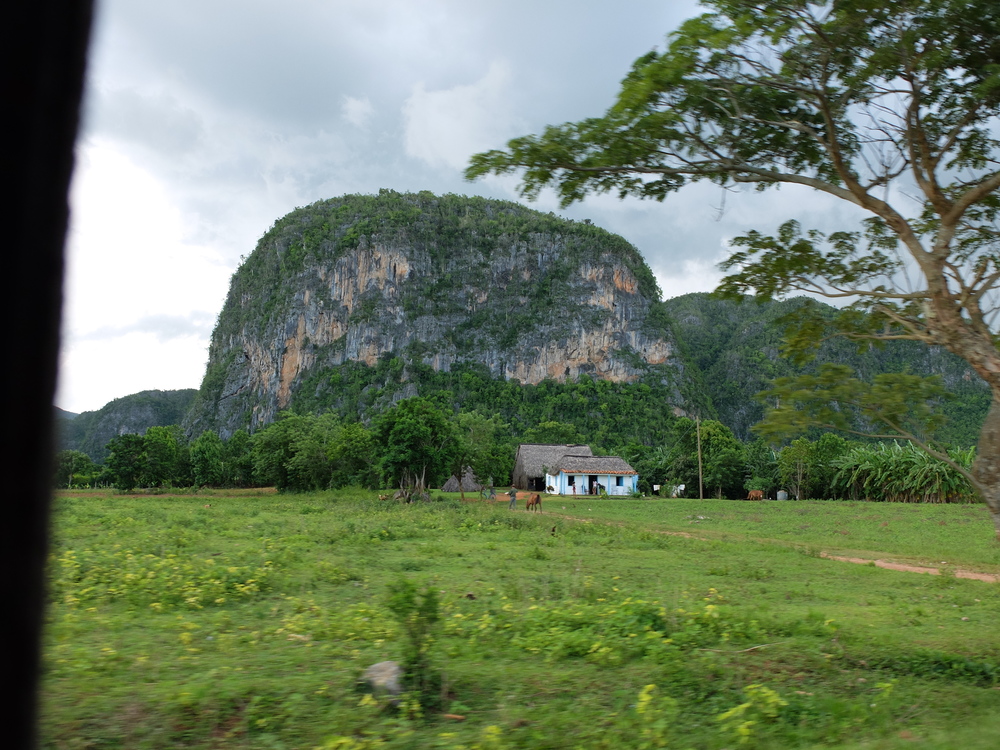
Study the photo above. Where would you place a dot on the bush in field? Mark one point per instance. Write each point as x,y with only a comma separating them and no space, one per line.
892,472
418,615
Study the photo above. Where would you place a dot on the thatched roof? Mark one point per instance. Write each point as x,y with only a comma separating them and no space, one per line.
534,458
469,483
595,465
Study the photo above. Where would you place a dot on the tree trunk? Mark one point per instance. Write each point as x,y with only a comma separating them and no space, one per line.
986,468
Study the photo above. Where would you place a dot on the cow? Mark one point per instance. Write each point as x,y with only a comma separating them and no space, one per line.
534,503
756,495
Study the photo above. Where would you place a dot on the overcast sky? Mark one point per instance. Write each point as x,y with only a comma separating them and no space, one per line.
205,121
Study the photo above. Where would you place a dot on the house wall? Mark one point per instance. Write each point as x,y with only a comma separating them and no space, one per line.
561,486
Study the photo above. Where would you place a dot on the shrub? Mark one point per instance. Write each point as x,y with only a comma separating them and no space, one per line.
418,615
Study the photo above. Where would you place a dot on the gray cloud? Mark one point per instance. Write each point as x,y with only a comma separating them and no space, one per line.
156,122
241,110
245,110
163,327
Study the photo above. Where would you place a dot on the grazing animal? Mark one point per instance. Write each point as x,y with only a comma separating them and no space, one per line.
756,495
383,497
534,502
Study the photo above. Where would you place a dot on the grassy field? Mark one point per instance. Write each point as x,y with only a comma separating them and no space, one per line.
244,620
958,535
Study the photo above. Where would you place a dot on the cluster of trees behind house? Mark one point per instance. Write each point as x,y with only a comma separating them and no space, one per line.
419,440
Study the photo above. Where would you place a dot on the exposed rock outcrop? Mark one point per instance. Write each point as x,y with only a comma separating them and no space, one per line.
434,281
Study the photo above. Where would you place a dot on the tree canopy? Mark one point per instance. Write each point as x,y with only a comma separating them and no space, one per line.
891,107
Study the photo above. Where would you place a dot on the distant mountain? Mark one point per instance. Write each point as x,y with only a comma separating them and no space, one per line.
63,414
426,285
736,347
91,431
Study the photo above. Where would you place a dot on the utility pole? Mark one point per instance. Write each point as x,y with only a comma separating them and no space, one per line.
701,489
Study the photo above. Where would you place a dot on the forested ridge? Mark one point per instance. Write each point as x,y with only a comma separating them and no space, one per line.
737,350
90,431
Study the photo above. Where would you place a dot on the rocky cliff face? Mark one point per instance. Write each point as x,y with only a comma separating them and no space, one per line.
434,281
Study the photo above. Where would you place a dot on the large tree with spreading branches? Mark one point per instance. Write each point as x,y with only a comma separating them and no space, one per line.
891,107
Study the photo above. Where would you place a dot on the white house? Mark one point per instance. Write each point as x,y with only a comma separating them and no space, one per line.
591,475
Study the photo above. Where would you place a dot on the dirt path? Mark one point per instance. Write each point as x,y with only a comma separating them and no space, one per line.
959,572
903,567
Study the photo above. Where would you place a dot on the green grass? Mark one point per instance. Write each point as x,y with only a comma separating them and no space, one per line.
960,535
247,622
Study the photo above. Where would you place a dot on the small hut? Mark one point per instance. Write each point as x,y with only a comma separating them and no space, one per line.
468,484
533,459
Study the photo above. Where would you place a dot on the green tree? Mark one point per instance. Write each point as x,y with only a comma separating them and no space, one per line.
416,442
207,463
795,462
479,445
890,107
353,457
126,461
271,449
308,464
761,467
826,451
238,459
651,462
555,433
163,454
722,458
72,467
292,453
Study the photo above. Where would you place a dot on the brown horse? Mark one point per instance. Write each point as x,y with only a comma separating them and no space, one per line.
534,503
756,495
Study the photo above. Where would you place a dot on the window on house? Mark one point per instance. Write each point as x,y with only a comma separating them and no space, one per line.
619,481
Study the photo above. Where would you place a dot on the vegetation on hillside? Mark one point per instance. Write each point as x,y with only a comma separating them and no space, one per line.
90,431
737,346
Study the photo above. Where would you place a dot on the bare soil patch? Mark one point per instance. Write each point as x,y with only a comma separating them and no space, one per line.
959,573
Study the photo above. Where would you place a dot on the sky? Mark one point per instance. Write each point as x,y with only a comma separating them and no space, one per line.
205,121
